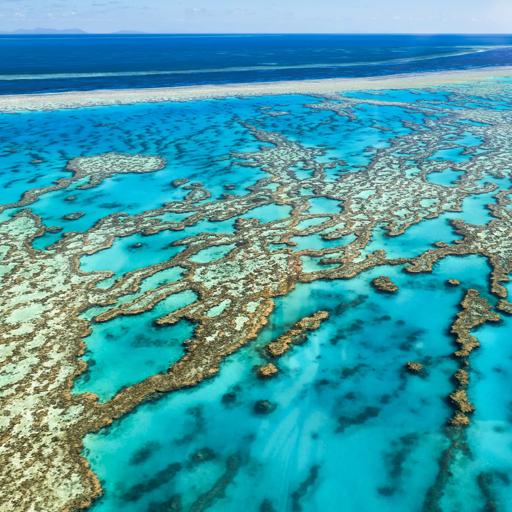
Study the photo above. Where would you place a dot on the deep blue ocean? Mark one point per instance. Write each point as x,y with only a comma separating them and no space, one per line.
54,63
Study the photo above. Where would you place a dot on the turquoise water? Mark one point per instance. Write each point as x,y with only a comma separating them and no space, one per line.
126,350
447,178
490,436
340,397
351,141
421,237
347,428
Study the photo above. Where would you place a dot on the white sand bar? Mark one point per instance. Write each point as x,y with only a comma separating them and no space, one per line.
78,99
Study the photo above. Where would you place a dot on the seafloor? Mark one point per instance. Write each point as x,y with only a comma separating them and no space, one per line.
279,303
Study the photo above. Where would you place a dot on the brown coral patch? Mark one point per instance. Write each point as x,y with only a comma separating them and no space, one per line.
384,285
297,334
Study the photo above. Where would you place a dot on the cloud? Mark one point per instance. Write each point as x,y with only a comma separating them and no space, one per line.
261,16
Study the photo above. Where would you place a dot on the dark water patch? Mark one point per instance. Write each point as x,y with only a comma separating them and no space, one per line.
173,504
110,206
266,506
217,491
485,482
304,487
322,383
144,453
365,415
457,443
200,456
230,398
198,425
411,339
355,326
353,370
386,398
264,407
395,461
160,478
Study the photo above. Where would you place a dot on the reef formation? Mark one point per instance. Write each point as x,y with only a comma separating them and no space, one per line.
45,292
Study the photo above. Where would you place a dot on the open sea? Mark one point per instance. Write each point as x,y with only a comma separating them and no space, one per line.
51,63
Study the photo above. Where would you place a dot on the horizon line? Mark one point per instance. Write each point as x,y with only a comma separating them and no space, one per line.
80,32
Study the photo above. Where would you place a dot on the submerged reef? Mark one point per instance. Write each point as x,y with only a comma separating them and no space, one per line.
50,303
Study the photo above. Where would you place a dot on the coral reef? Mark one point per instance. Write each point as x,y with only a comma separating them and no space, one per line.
384,284
296,334
414,367
267,371
95,169
475,311
45,293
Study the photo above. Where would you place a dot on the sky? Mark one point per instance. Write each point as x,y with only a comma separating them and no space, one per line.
265,16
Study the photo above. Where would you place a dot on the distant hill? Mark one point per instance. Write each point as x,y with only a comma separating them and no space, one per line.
38,30
128,32
64,31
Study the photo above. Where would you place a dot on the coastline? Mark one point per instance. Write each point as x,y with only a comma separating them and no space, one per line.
111,97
